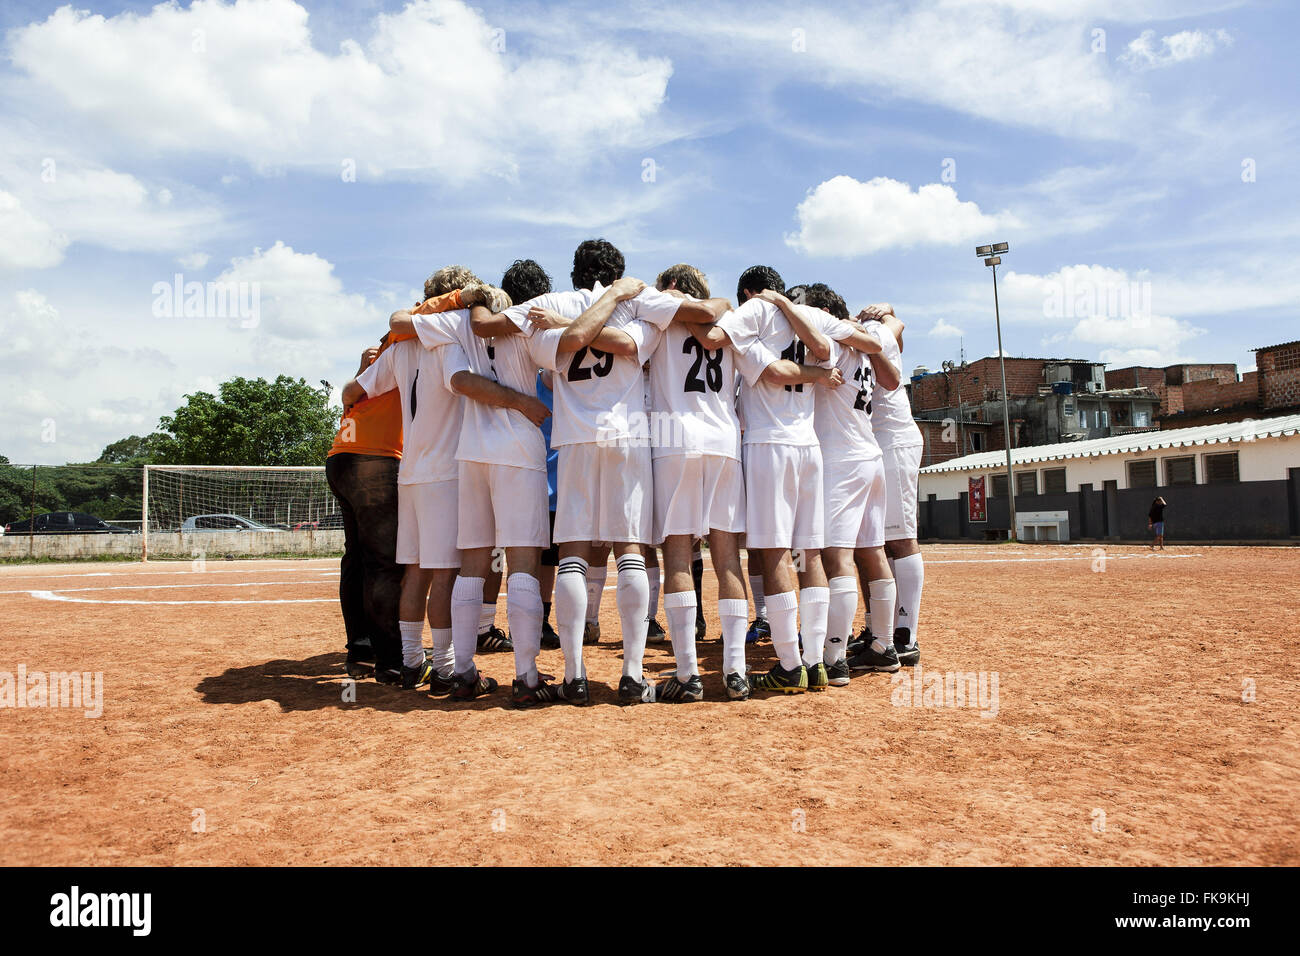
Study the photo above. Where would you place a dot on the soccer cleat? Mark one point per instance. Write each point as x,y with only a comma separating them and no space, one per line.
909,654
837,674
677,691
521,695
413,677
817,678
440,686
870,659
359,669
494,639
550,639
758,630
737,686
781,681
591,632
856,644
388,675
654,631
635,691
574,692
468,688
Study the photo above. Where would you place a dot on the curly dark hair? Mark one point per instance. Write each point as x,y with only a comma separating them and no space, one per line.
684,278
757,278
524,280
596,260
821,296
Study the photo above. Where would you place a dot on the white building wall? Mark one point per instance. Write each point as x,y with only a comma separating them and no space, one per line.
1264,459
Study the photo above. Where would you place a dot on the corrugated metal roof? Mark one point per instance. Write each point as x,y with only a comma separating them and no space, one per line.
1126,444
1280,345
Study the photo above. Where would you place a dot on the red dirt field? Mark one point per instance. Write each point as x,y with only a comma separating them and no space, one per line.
1121,735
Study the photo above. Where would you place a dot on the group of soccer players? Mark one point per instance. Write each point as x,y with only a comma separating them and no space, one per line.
778,425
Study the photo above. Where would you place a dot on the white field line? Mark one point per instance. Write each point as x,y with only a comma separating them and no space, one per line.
146,574
51,596
168,587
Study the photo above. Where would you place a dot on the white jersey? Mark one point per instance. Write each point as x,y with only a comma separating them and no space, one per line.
692,397
599,396
760,332
891,412
431,411
843,418
490,434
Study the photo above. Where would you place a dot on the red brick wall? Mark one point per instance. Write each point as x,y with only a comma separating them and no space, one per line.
1211,393
1135,377
1185,374
980,382
1279,371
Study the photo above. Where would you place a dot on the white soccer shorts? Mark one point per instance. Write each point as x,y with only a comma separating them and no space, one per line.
784,506
606,493
426,524
902,472
855,503
698,493
502,506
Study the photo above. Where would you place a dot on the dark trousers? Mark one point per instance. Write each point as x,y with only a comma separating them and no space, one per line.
370,579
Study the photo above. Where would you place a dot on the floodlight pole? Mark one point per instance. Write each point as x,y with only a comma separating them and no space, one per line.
992,256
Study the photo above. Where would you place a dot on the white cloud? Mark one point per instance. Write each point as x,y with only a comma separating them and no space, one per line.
27,242
843,217
944,330
434,89
1144,53
194,261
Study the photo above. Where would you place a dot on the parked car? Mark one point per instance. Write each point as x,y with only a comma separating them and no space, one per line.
65,522
224,522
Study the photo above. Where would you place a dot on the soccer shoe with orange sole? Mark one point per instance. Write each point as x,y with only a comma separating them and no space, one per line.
781,681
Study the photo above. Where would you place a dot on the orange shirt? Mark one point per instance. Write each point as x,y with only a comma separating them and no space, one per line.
373,426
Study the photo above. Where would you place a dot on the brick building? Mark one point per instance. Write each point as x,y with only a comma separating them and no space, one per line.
1050,400
1213,393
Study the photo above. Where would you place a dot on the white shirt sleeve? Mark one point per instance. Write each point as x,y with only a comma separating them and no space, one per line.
652,306
379,377
543,346
741,326
751,363
436,329
645,336
454,360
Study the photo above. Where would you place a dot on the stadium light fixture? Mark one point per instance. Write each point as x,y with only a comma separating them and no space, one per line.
992,256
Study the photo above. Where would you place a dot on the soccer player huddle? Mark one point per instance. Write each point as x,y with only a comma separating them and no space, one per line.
779,425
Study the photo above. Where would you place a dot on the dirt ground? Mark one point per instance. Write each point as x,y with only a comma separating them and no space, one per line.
1145,713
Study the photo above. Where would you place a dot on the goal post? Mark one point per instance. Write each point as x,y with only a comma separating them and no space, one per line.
216,511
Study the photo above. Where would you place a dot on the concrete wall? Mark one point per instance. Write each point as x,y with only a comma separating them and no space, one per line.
1255,511
213,544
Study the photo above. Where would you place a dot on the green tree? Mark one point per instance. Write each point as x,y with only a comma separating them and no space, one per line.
135,450
250,422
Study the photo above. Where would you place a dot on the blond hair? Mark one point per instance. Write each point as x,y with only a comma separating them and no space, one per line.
684,278
448,278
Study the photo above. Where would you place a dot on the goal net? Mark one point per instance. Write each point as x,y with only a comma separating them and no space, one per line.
198,510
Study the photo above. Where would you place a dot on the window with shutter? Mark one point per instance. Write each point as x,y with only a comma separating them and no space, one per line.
1026,482
1180,471
1221,469
1054,481
1142,474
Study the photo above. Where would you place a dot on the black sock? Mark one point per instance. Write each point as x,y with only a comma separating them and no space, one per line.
546,611
697,577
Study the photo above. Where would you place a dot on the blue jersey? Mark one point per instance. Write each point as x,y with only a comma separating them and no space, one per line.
552,457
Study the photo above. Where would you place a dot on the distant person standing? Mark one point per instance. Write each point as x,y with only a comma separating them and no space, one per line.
1156,523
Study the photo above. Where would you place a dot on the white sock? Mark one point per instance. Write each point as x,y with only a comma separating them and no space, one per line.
466,606
654,575
760,600
524,617
732,612
813,604
909,572
570,605
633,594
680,608
443,657
412,642
783,612
839,617
595,589
487,618
882,595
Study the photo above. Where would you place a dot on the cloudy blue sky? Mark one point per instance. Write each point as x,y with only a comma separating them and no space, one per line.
1138,156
